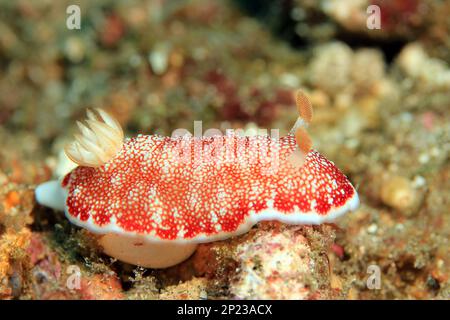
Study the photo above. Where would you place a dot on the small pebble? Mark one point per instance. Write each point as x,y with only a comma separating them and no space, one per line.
158,59
397,192
419,182
424,158
372,229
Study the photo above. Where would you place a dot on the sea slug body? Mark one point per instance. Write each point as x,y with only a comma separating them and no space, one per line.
154,198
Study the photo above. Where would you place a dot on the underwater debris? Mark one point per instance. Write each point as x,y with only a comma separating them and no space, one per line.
100,287
336,69
13,263
282,262
194,289
398,193
399,18
16,203
429,74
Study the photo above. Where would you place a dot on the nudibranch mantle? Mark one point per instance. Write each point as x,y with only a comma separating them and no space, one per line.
148,190
153,198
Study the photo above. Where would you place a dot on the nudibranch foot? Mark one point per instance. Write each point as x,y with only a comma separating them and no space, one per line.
138,250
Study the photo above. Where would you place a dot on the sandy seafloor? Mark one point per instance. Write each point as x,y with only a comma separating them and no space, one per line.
381,99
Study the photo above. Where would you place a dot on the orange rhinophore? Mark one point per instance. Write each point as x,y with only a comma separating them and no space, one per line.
304,106
303,140
305,111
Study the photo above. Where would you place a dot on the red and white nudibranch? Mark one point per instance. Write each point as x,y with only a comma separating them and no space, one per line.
153,198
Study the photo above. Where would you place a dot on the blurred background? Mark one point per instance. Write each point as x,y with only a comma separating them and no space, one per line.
381,99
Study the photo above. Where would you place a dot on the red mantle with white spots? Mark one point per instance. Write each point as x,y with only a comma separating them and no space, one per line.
202,189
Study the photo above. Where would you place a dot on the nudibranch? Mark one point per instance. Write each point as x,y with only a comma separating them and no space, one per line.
153,199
